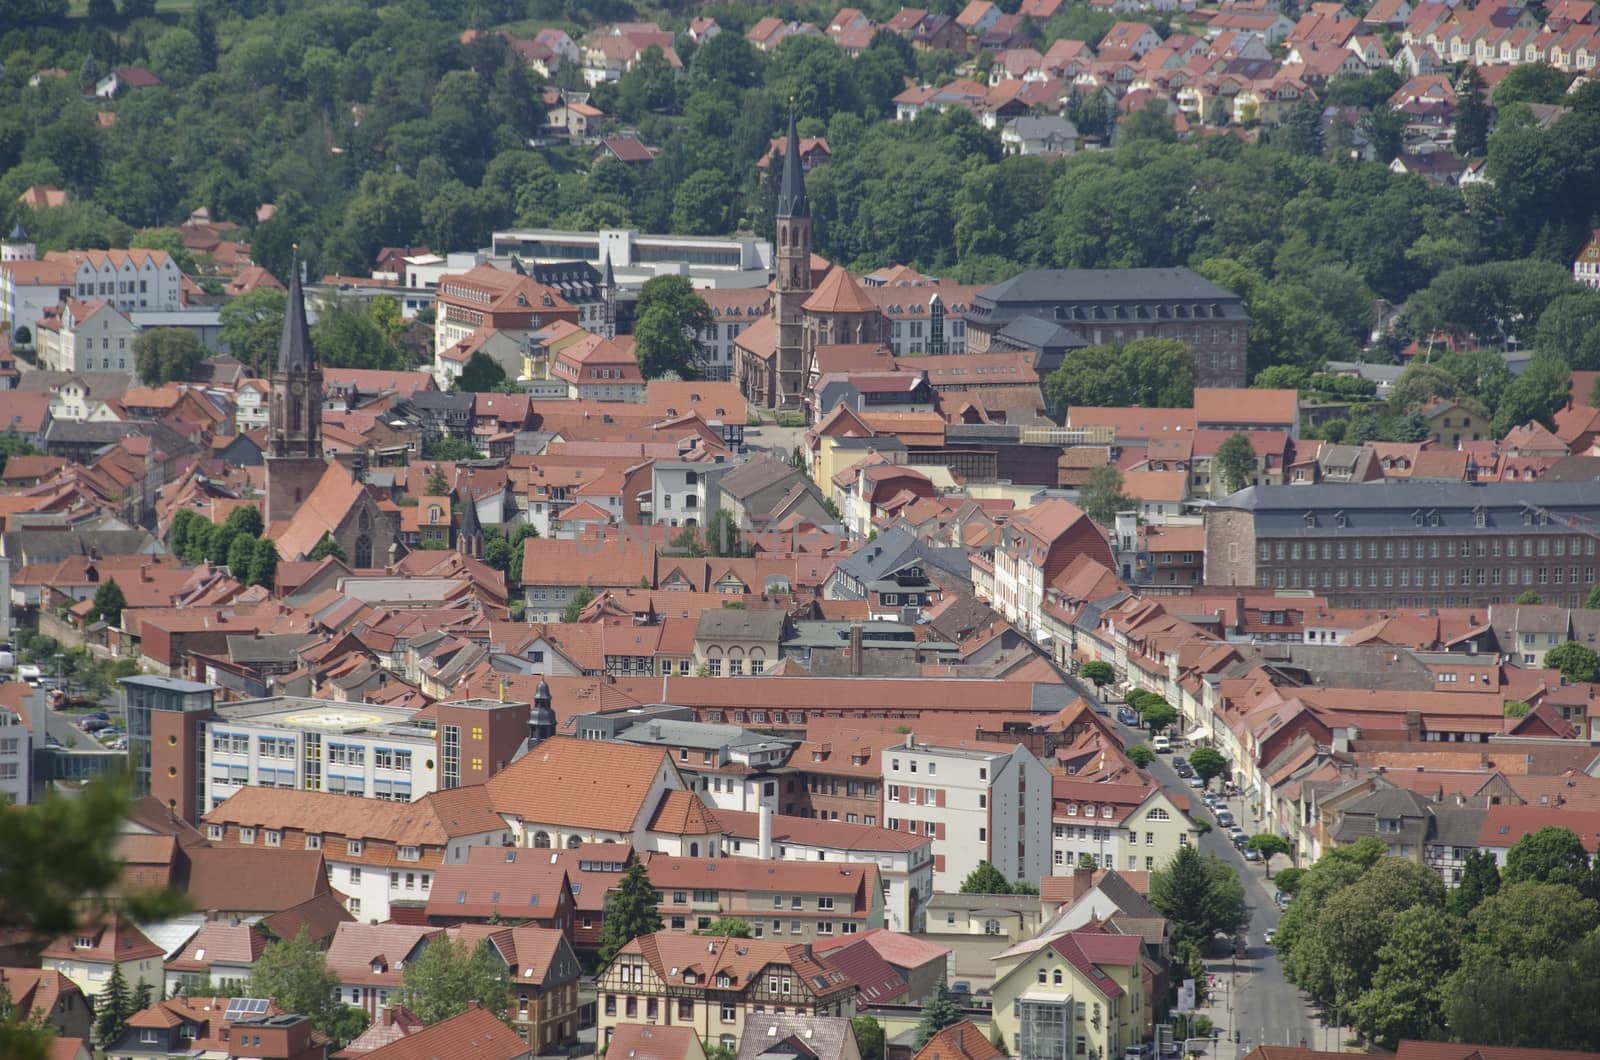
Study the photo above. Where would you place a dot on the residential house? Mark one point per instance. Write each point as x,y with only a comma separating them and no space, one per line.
228,1028
1080,989
566,792
1586,266
1035,547
86,337
89,955
50,997
543,971
1136,827
370,961
782,900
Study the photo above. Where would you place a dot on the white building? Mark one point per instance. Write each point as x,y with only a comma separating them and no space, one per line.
1128,827
977,804
707,261
250,405
313,744
733,310
16,758
905,861
685,492
91,336
128,279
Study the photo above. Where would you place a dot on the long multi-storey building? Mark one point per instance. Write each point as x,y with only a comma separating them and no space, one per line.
635,257
1118,305
1419,544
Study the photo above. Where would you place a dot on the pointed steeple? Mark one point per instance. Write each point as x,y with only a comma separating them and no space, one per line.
607,277
469,515
18,234
294,345
792,199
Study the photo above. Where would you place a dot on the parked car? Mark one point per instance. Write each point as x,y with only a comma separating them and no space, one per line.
1180,762
1251,854
1271,932
1127,716
93,725
1138,1052
100,714
1225,818
1234,831
1196,782
1282,899
1162,744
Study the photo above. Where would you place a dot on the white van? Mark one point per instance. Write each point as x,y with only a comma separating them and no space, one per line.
1162,744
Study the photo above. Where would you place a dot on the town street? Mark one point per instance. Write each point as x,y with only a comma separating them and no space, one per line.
1252,995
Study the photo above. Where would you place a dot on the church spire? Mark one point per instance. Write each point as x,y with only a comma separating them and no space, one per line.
294,345
792,199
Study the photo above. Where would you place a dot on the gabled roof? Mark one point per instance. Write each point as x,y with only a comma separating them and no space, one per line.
472,1035
566,781
839,293
959,1041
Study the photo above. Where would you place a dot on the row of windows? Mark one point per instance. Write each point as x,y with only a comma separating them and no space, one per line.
1433,549
736,668
1431,577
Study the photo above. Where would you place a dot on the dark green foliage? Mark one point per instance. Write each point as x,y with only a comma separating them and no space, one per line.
940,1012
1100,673
481,374
252,324
109,601
449,449
1480,877
722,534
1531,83
730,927
112,1008
447,975
325,548
1235,461
630,912
166,354
869,1037
294,973
1577,663
1157,373
1550,855
1208,763
1141,755
1102,497
1200,895
1472,115
985,879
670,318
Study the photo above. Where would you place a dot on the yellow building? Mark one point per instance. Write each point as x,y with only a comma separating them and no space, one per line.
1077,994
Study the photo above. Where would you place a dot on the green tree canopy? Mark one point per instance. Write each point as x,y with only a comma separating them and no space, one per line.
670,318
1480,877
939,1012
1577,663
446,975
450,449
481,374
630,912
163,355
1102,497
1550,855
1409,988
985,879
730,927
1099,672
1200,895
325,548
1235,461
580,600
1157,373
1208,763
252,324
109,602
295,973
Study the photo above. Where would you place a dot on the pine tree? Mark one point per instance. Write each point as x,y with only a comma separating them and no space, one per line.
264,564
1472,115
438,485
630,912
940,1012
111,1009
1302,131
141,997
1480,877
109,602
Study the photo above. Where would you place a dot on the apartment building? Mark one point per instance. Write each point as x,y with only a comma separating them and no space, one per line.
1036,546
16,759
370,961
566,792
378,854
713,983
1136,827
791,901
838,777
1409,544
87,336
635,257
487,298
904,861
543,971
977,803
1077,994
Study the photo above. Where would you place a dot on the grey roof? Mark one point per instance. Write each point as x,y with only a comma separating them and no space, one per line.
469,516
1401,507
732,623
1458,826
277,647
880,634
1038,333
897,547
792,198
1042,127
18,233
1389,801
100,384
1378,373
168,684
824,1036
756,475
1065,286
1120,891
53,544
440,399
982,903
700,735
294,343
1530,618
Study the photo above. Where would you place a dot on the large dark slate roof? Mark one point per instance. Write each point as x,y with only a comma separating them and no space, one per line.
1104,285
1417,507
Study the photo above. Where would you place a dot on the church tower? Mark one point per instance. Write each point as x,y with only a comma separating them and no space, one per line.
793,260
469,536
294,435
608,300
17,246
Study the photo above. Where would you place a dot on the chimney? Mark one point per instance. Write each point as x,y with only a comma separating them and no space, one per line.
910,740
764,834
1238,613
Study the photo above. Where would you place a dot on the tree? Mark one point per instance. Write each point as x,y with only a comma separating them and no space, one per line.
163,355
447,975
1289,880
1408,992
1480,877
1472,115
325,548
346,337
580,600
985,879
1384,127
1577,663
1099,672
245,519
1207,763
1267,844
1302,130
729,927
1590,602
1550,855
1101,498
1529,598
112,1011
450,449
295,973
240,552
669,320
1141,755
263,569
1157,713
687,542
1570,328
1542,388
630,912
252,324
1155,373
13,444
940,1012
1201,896
1235,461
438,484
481,374
108,603
1516,708
869,1035
722,534
1530,83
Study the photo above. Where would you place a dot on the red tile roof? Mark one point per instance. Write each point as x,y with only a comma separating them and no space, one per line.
959,1041
472,1035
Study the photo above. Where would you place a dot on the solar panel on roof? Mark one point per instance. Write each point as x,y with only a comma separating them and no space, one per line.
242,1007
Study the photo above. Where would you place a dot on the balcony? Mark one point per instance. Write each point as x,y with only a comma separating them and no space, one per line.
700,906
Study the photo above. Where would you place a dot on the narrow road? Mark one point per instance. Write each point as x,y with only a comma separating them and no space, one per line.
1252,996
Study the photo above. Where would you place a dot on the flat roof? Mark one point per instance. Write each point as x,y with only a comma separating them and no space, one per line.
293,712
168,684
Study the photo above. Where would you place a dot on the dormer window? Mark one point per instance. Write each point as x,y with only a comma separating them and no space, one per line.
1389,825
